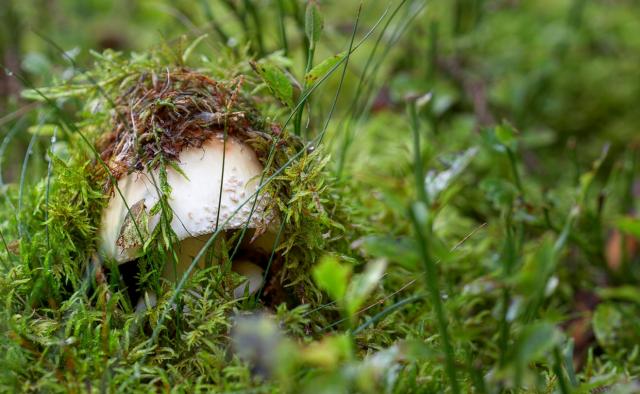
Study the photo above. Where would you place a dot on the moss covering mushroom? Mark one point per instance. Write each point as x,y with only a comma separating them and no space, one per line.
190,152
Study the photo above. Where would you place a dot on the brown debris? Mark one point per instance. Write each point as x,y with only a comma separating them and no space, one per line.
162,114
620,247
473,87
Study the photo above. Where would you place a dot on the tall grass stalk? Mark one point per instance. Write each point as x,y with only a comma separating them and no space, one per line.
282,29
387,311
23,178
208,11
321,134
298,107
419,213
508,260
418,166
431,277
366,83
353,113
557,369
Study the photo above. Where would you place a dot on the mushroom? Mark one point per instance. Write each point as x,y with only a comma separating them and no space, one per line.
214,187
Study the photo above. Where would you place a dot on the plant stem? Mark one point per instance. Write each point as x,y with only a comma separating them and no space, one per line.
432,73
257,26
387,311
431,277
283,30
509,256
557,369
514,169
418,169
206,7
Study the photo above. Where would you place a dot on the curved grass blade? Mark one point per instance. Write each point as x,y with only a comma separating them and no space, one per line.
387,311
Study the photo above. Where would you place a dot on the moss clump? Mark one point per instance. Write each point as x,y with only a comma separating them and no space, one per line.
72,325
160,113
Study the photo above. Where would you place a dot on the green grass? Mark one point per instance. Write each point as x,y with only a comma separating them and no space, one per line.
456,183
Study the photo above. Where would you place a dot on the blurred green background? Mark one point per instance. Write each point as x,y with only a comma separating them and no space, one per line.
546,93
561,71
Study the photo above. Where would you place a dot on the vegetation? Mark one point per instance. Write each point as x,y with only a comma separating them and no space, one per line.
456,184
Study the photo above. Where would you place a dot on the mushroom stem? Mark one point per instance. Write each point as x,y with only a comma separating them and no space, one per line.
254,275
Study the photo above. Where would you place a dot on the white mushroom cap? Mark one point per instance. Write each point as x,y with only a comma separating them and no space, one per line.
195,199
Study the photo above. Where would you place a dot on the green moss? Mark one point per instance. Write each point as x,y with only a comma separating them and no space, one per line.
70,320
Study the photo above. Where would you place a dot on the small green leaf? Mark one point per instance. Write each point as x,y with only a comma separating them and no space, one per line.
321,69
276,80
363,284
505,134
55,92
586,179
44,130
329,351
607,321
535,342
191,47
313,23
625,293
332,277
36,63
629,225
398,250
537,268
499,192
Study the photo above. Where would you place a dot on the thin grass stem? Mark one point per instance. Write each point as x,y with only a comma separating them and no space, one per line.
387,311
431,277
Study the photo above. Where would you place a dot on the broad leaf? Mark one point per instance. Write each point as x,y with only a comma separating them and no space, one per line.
362,285
332,277
276,80
313,23
321,69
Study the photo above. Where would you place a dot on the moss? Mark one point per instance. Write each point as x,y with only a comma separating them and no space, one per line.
158,113
71,322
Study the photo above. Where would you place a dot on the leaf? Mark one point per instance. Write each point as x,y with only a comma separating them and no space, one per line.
629,225
363,284
587,178
538,138
607,321
400,250
191,47
55,92
615,326
625,293
276,80
505,134
332,277
313,23
321,69
45,130
36,63
500,192
536,270
437,182
535,342
329,351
